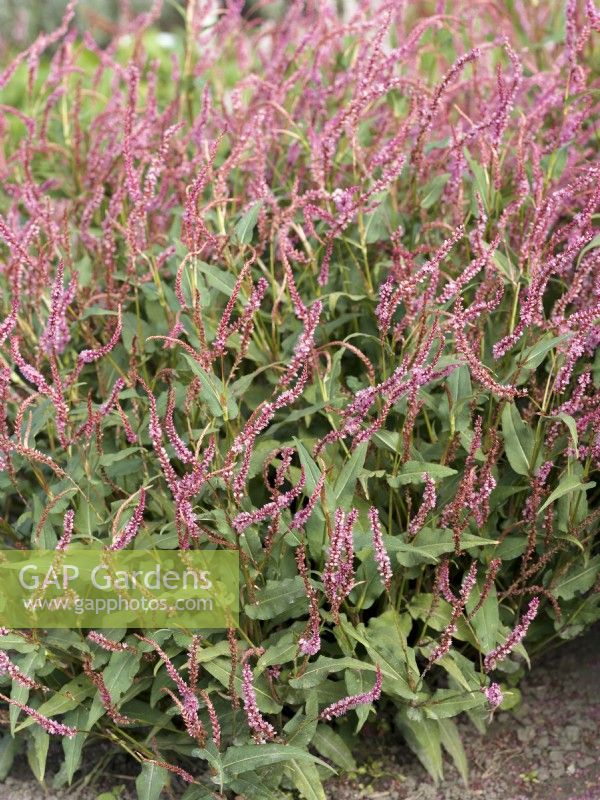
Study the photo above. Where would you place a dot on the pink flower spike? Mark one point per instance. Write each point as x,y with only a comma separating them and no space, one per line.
338,575
310,643
10,321
301,517
182,687
97,680
214,719
65,539
493,695
305,345
130,530
8,668
468,583
247,518
384,565
445,643
443,581
181,449
342,707
427,505
262,730
49,725
188,705
513,639
90,356
108,644
56,335
183,774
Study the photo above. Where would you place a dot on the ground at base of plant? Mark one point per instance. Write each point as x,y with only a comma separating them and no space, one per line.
548,749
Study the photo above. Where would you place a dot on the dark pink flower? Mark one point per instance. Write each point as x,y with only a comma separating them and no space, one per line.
342,707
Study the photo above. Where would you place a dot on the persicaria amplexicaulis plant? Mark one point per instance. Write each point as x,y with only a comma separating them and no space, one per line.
323,291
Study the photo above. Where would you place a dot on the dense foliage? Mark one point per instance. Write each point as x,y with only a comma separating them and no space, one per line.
325,292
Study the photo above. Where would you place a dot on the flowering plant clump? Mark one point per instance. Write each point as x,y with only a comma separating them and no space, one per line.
325,292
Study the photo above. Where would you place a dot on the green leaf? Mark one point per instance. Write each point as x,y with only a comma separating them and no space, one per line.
88,514
300,729
97,311
333,298
567,484
251,786
572,426
240,387
578,580
486,621
460,669
511,547
312,475
389,440
375,227
37,751
277,597
452,742
330,745
247,758
423,738
449,703
357,683
318,670
433,190
430,543
216,278
220,669
505,265
245,227
28,665
461,392
151,781
118,677
409,555
412,472
437,615
110,458
211,754
12,641
116,793
281,653
306,780
311,470
212,652
510,698
534,355
518,440
198,793
215,394
8,749
73,746
387,654
68,698
555,163
346,482
482,180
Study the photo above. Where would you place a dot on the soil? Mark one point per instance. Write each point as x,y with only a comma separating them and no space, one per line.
547,749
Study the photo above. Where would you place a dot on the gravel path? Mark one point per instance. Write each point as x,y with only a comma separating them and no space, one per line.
549,749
